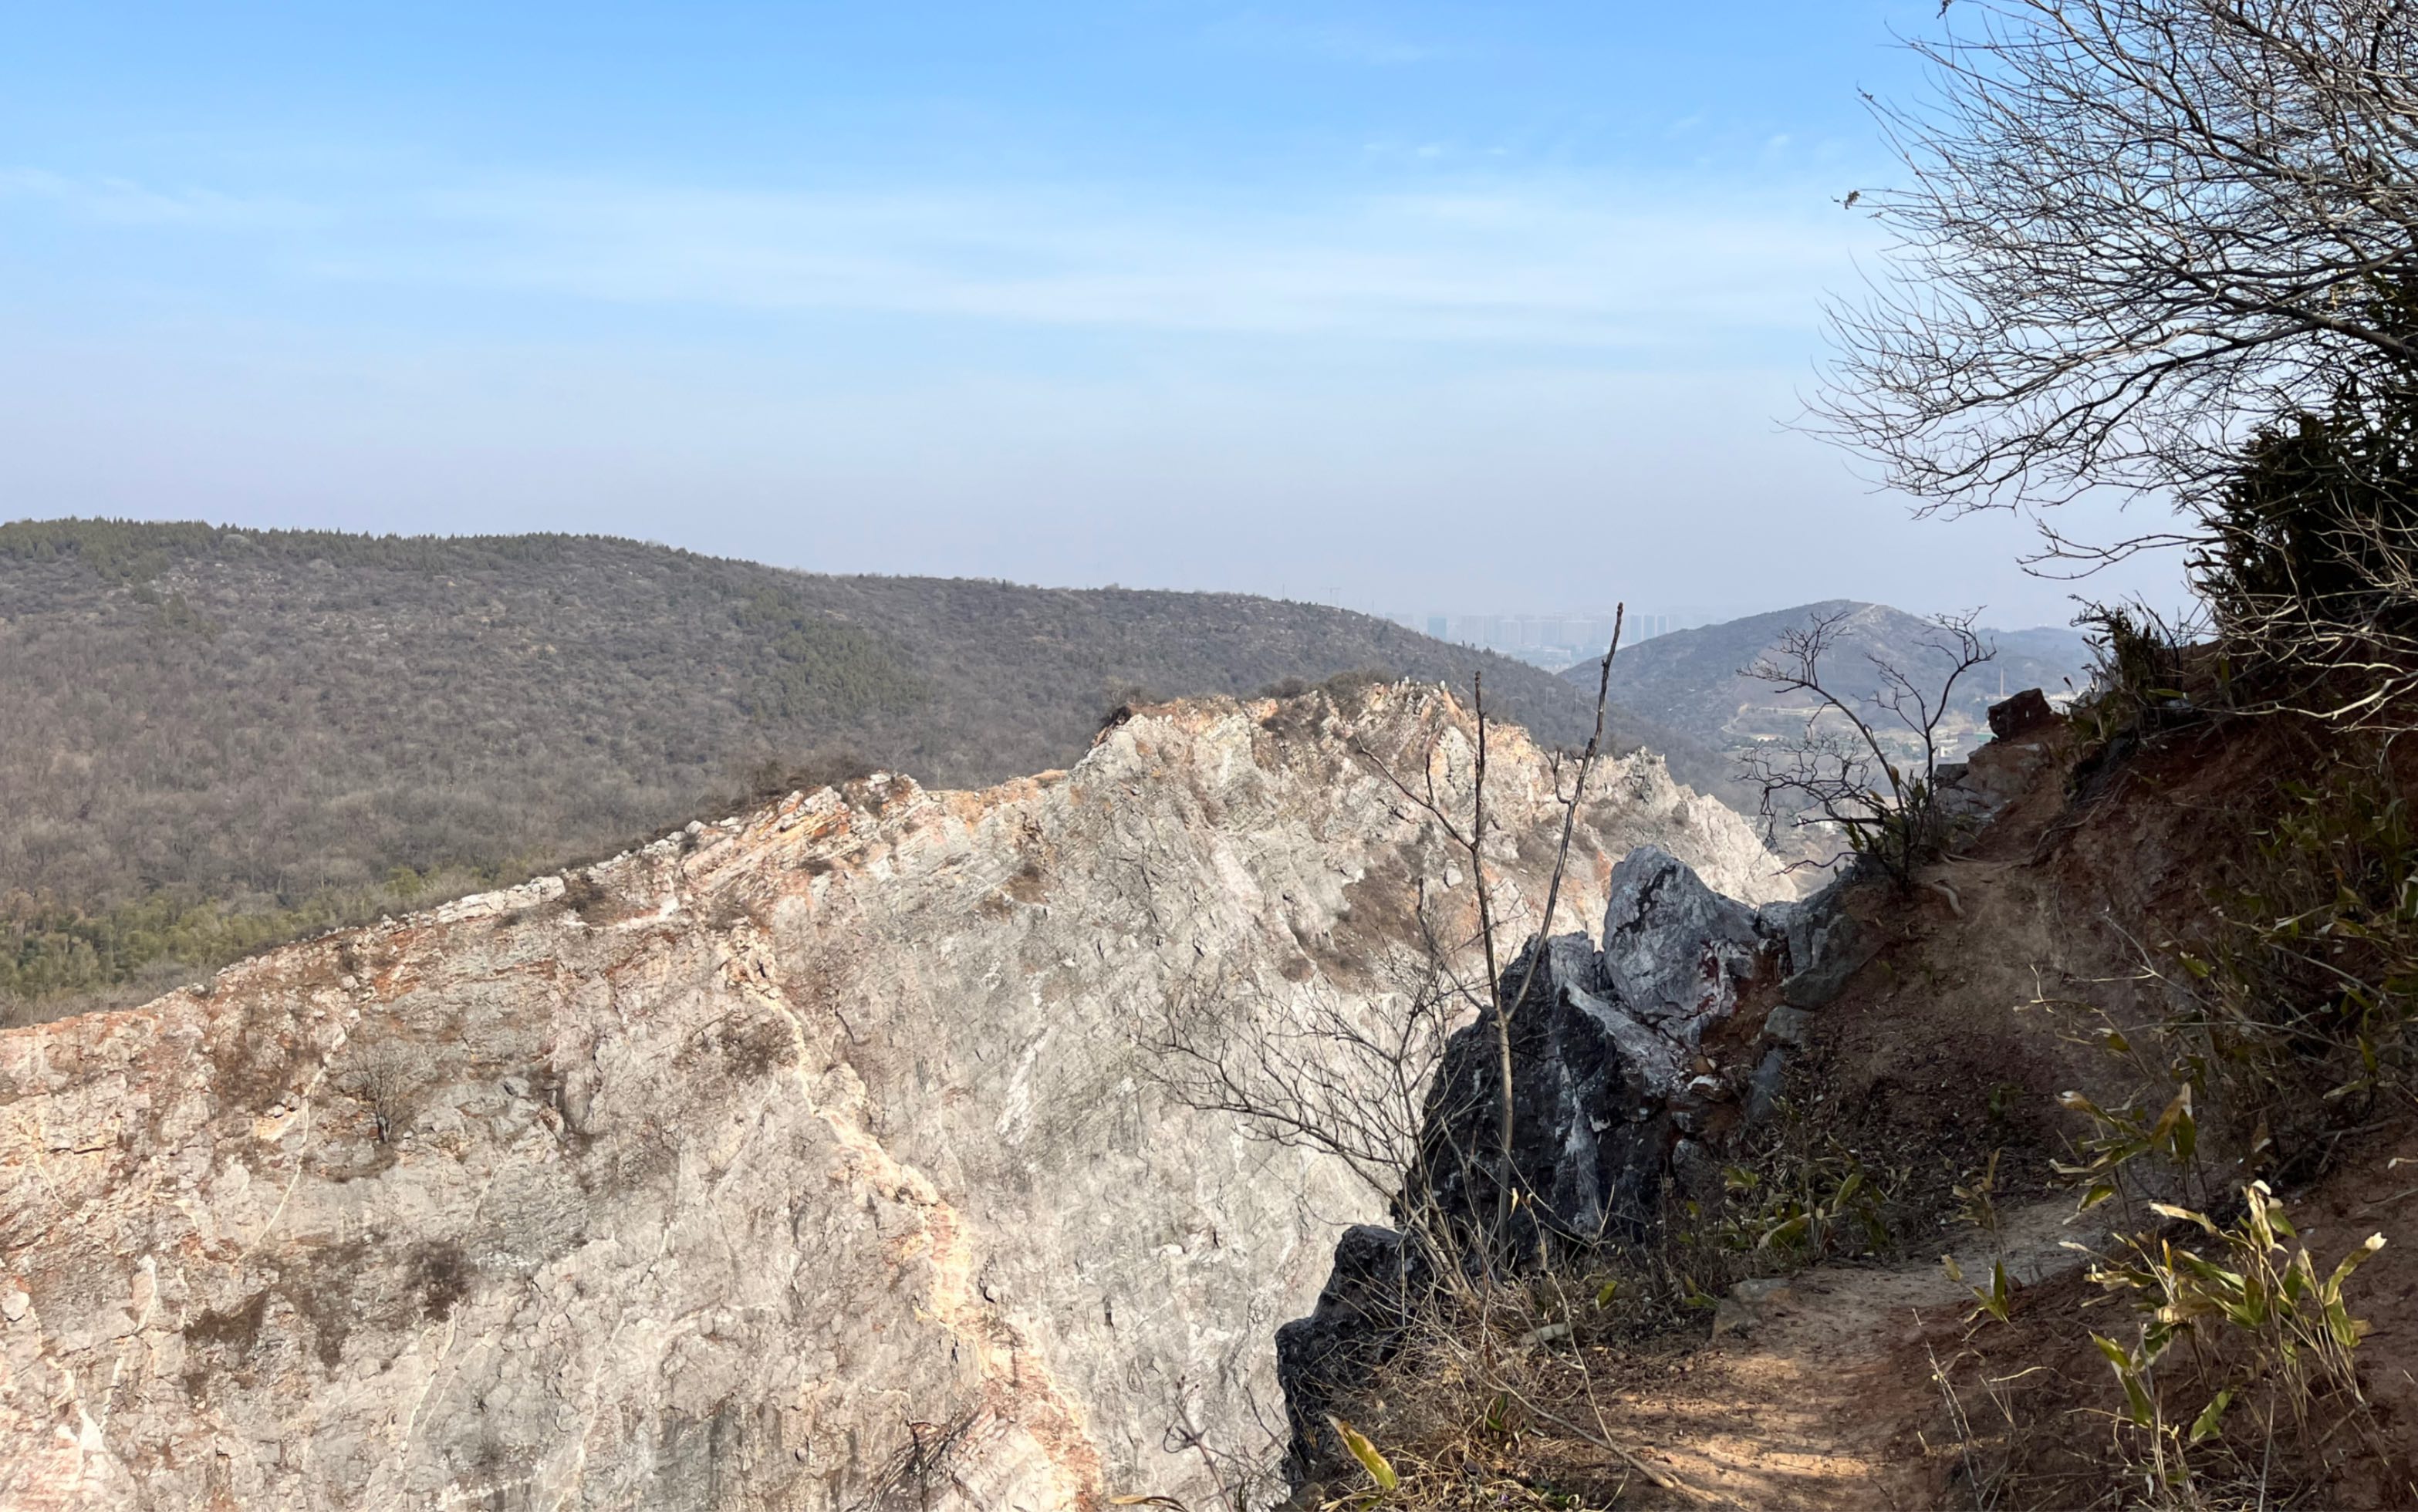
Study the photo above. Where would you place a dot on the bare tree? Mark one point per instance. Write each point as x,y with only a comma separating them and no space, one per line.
1472,841
2132,232
1315,1071
388,1078
1866,767
1353,1081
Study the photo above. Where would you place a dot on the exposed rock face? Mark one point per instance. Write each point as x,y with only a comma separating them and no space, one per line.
2021,716
1975,791
1629,1064
1616,1056
1676,953
807,1160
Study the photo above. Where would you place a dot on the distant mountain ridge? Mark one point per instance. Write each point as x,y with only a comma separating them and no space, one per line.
213,738
1695,681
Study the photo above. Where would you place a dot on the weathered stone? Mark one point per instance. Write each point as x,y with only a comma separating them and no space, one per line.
1751,1304
1763,1088
1839,949
1804,920
1789,1026
1674,951
1977,791
1694,1173
2021,716
699,1181
1355,1327
1614,1097
1608,1062
1592,1085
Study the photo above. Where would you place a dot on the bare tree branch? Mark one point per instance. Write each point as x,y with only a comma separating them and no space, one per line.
2130,231
1314,1072
1833,773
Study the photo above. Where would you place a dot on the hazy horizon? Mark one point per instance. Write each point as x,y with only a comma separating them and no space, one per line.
1428,305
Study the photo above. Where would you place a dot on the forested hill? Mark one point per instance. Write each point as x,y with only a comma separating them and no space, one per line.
1696,680
213,738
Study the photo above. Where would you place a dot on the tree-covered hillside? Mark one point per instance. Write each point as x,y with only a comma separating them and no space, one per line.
213,738
1696,681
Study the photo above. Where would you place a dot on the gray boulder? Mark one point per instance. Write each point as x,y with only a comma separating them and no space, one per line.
1837,950
1325,1359
1674,951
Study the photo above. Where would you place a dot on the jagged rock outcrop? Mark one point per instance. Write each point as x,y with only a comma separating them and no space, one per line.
809,1159
1974,791
1631,1063
1617,1055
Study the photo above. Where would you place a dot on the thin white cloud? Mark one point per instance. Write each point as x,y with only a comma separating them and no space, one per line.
125,202
1639,268
1601,265
1607,356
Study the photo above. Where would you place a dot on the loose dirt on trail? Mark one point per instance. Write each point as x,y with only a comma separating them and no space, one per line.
1827,1399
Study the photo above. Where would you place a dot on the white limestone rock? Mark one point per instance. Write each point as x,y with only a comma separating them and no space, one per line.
751,1172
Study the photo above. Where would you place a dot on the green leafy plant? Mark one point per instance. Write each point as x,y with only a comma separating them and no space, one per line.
1978,1197
1825,1203
2265,1327
1380,1471
2124,1134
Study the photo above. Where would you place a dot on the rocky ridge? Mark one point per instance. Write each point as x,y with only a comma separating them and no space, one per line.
809,1159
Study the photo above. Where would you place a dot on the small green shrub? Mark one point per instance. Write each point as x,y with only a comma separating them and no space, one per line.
2266,1332
1825,1202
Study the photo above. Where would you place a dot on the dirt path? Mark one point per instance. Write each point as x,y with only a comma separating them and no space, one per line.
1828,1402
1822,1406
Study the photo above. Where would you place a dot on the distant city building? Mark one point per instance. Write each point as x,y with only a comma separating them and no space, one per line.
1550,640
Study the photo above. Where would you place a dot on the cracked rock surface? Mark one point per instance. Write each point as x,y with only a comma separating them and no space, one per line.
809,1159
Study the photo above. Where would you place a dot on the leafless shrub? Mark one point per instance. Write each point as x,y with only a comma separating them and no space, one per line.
1500,1395
918,1475
1313,1070
1868,768
388,1080
1243,1480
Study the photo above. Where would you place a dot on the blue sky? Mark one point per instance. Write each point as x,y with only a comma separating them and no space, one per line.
1486,307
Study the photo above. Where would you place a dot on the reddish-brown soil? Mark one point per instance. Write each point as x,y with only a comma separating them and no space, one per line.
1870,1387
